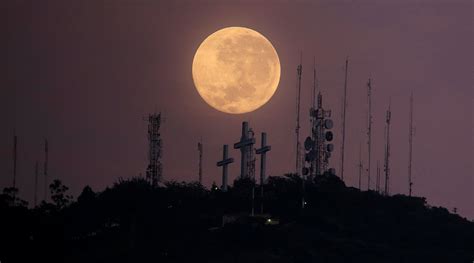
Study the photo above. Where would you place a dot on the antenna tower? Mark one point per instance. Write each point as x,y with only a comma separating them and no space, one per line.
36,184
299,70
344,105
15,142
200,149
360,166
410,149
387,151
46,150
155,169
377,184
369,129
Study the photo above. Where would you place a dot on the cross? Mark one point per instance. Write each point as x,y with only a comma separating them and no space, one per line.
263,152
225,161
243,145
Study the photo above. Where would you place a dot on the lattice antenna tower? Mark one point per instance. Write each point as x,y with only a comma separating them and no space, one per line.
387,151
369,130
201,151
155,169
299,71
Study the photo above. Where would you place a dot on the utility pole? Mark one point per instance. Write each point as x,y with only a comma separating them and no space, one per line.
369,129
297,130
410,149
344,106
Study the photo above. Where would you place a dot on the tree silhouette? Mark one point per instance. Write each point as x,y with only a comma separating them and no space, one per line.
58,194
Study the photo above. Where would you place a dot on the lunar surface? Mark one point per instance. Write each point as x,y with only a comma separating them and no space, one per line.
236,70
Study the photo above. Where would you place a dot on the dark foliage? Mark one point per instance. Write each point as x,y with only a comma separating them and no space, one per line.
182,222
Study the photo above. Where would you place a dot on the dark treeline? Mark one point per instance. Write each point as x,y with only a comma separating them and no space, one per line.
183,222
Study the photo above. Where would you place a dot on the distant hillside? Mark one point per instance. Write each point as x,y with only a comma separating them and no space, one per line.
178,222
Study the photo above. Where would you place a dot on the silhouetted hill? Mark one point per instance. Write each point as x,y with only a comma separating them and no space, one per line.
179,222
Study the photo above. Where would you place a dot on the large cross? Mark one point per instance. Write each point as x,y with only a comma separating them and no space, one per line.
263,156
244,144
225,161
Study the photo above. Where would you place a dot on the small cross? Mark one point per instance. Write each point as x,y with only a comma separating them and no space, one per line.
224,163
263,152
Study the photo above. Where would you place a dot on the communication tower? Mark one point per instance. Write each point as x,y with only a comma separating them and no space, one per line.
155,169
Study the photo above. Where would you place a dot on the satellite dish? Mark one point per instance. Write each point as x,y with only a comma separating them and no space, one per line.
310,156
305,170
330,147
328,155
308,143
329,136
328,124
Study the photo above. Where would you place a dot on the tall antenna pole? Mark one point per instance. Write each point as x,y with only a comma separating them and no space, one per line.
360,165
410,149
298,102
36,184
344,106
387,151
15,142
377,184
314,82
45,169
200,149
369,129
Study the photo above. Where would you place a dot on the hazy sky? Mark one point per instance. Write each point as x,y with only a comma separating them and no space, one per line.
84,74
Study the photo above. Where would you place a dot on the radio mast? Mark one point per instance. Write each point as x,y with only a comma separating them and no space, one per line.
344,105
200,149
387,151
369,129
45,169
360,166
410,143
36,184
15,142
298,102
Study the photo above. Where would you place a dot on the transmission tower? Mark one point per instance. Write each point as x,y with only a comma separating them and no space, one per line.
369,129
410,143
299,71
387,151
155,169
344,105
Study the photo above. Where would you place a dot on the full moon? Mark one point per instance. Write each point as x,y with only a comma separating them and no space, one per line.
236,70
